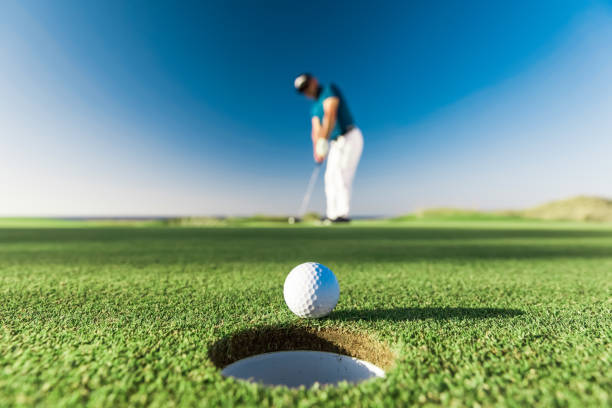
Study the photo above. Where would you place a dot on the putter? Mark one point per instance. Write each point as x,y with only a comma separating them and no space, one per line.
311,183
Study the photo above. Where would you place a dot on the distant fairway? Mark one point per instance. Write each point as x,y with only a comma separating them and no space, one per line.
505,313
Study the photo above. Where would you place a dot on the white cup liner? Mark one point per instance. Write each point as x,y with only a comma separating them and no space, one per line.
302,368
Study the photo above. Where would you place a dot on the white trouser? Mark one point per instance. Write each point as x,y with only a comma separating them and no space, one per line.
342,161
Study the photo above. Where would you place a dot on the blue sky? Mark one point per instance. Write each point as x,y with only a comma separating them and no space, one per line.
156,108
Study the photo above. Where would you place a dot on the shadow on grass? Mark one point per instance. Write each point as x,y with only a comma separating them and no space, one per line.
423,313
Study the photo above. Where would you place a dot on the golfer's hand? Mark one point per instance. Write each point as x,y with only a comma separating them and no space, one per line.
318,159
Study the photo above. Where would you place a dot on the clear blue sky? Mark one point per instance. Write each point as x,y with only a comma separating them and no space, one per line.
148,107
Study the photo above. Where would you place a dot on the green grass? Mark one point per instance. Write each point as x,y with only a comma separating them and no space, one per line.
77,223
498,314
454,214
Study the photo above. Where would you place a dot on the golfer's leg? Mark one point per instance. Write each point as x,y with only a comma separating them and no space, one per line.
329,195
332,175
351,153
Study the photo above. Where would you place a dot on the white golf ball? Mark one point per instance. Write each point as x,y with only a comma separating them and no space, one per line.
311,290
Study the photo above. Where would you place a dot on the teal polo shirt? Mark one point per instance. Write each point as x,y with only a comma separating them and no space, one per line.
344,119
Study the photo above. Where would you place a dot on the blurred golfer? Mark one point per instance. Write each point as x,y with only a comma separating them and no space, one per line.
334,135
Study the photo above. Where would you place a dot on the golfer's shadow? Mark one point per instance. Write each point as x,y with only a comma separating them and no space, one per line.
423,313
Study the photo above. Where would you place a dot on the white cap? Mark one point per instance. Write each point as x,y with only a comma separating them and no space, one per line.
301,82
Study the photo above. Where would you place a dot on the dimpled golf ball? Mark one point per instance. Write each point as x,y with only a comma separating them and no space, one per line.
311,290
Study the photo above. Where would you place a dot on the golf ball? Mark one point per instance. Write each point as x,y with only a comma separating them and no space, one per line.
311,290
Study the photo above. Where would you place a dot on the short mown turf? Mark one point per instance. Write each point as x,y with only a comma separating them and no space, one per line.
515,315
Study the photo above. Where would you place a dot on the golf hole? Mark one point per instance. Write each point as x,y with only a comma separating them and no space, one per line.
300,356
294,369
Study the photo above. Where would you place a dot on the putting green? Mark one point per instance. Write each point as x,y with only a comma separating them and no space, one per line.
504,314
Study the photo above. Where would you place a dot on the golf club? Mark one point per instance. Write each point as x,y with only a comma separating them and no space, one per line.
306,200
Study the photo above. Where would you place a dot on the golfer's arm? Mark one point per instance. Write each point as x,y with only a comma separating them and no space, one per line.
316,129
330,111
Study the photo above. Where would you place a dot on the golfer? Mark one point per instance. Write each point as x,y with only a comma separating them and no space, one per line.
332,122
